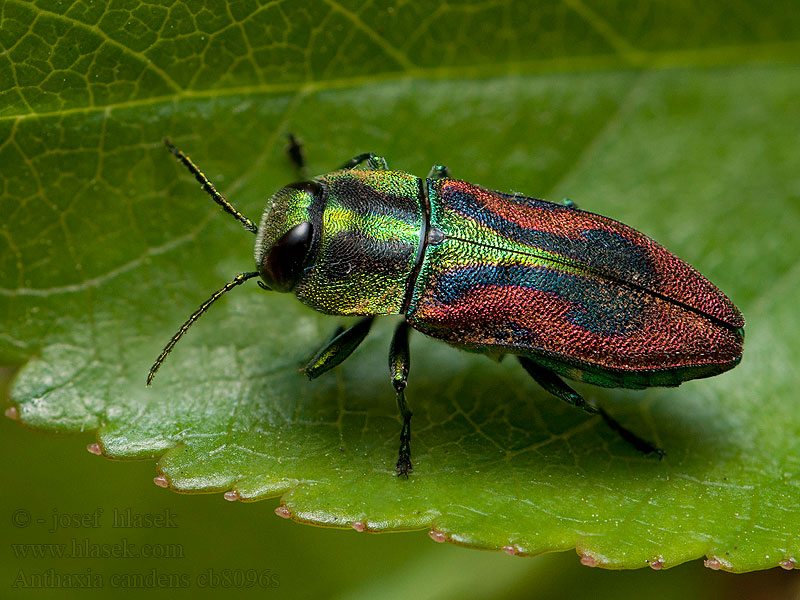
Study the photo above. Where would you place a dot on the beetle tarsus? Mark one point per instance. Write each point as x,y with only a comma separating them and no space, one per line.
641,444
404,456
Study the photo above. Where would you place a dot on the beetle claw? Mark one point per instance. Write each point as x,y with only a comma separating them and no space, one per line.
404,465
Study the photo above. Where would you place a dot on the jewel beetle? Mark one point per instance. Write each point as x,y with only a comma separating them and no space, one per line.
570,293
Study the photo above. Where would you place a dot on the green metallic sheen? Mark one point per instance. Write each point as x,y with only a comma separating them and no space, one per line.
366,239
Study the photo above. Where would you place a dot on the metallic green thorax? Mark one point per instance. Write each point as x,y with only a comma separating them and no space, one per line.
366,239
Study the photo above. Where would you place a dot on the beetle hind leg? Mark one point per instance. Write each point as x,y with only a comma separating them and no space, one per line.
553,384
568,203
641,444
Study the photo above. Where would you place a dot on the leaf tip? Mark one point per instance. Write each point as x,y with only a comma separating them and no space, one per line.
358,525
715,563
12,413
588,560
656,564
437,536
788,563
513,550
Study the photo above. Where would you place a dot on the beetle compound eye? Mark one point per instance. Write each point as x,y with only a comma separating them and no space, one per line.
282,266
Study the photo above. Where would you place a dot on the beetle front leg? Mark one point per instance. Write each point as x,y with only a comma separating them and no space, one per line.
553,384
399,362
294,149
338,349
374,163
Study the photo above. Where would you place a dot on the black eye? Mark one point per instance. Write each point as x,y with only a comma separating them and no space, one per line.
282,266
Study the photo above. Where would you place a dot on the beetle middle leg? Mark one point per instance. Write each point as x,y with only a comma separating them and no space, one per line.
553,384
399,362
338,349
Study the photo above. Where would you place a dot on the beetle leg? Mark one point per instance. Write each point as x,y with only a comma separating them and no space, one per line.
295,151
553,384
338,349
399,361
374,163
439,172
377,163
634,440
568,203
336,333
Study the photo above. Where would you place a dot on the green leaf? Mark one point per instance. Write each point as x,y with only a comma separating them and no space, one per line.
658,117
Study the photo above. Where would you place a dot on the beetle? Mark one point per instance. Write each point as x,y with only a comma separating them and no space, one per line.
571,293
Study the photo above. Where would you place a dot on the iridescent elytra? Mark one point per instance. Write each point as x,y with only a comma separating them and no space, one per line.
571,293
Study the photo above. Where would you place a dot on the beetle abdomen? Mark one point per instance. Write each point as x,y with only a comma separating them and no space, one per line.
584,294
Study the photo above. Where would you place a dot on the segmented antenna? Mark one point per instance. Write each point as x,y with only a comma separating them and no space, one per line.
238,280
209,187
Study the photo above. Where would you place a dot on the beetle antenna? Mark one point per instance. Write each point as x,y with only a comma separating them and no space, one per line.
238,280
209,187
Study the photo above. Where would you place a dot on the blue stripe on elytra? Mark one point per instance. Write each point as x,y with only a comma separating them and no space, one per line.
597,306
602,250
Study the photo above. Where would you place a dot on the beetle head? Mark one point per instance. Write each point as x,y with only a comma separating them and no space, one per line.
286,234
284,241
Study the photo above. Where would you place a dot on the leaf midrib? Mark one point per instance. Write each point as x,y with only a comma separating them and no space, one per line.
717,57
